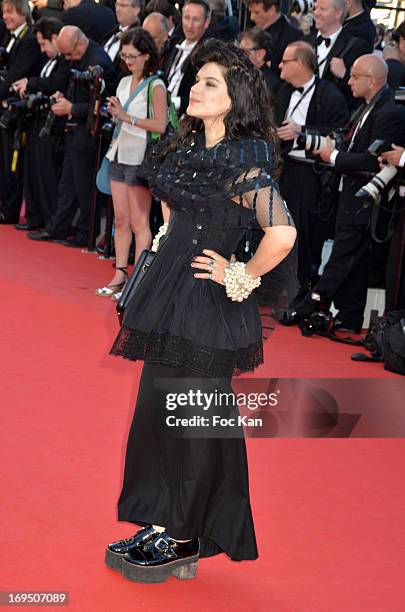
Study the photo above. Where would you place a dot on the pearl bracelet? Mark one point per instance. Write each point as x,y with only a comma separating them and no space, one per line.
238,284
161,232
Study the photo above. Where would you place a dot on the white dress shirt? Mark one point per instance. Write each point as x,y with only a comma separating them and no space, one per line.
322,51
49,66
112,46
298,111
16,34
130,145
175,74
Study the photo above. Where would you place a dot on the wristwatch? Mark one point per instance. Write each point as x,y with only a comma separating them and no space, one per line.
133,121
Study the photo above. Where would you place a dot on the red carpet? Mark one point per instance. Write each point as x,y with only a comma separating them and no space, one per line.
329,514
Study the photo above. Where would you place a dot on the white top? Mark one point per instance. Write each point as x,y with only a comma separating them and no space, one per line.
322,51
301,111
131,141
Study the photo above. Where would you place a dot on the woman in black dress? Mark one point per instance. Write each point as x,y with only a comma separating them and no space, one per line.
188,487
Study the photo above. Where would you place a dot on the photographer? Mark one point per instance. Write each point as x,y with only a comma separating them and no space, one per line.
395,290
19,56
44,148
267,15
345,279
257,44
336,49
77,180
306,103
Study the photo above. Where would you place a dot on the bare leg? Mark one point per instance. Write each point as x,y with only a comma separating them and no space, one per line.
140,200
123,232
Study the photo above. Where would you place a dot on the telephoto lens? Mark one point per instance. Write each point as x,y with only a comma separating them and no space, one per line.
378,183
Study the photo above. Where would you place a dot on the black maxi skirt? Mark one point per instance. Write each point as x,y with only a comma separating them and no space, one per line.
193,486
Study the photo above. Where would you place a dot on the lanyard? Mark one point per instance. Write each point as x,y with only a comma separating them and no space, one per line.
305,93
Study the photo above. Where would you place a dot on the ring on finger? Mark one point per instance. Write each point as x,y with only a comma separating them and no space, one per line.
211,262
210,275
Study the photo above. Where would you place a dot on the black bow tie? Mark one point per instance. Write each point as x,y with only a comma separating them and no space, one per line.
299,89
320,39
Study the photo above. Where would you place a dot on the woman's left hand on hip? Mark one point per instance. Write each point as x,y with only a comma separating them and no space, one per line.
212,266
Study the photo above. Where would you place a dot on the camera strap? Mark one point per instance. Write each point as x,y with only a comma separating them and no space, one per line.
303,95
356,123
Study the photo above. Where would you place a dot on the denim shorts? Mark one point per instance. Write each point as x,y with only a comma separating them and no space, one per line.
124,173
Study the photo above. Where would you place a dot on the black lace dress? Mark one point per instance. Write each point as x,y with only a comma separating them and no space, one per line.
185,327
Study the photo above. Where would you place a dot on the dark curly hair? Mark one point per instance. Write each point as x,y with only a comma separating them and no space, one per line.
144,43
251,114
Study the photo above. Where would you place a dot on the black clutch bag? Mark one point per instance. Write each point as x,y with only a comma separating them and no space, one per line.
142,266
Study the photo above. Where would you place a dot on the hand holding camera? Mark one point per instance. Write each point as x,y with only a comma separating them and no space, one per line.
289,130
326,149
392,157
62,106
115,108
20,86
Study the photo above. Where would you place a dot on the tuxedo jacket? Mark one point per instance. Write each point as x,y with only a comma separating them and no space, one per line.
57,81
25,59
383,122
188,79
363,27
282,33
348,48
327,109
95,20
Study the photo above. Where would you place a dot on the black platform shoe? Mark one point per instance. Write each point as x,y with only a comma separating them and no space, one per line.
161,558
115,552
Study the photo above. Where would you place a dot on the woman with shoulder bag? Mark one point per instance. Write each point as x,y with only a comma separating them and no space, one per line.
130,193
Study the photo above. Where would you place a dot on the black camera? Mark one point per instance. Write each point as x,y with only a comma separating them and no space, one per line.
108,126
378,146
16,106
311,139
302,6
318,323
49,121
86,76
12,108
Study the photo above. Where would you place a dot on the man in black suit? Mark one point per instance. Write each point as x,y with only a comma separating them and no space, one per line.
179,71
267,16
23,58
77,180
306,103
94,20
44,151
344,280
336,49
128,14
359,23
